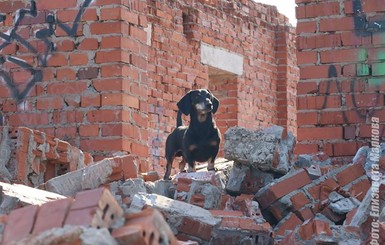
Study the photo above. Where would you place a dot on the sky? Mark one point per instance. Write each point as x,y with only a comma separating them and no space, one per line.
286,7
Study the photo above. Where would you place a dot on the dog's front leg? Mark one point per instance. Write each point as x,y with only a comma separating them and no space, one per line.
168,169
210,164
182,165
190,162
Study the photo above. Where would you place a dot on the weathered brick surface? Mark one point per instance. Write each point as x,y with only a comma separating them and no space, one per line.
94,208
341,86
33,157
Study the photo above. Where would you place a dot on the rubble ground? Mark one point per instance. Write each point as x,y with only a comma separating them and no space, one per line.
260,195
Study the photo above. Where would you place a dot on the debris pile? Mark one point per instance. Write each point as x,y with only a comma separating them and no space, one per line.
260,196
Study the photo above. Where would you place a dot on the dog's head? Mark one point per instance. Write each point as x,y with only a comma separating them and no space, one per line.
200,100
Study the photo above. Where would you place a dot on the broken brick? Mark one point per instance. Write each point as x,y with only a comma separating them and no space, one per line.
353,172
195,228
145,227
51,215
282,187
20,223
95,208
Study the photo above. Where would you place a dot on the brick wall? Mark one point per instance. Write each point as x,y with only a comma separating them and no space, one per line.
254,31
105,75
341,87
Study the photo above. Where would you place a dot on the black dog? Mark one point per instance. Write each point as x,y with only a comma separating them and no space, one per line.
199,141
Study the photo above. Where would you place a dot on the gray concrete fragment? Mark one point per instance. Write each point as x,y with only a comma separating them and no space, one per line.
306,160
267,149
5,154
132,186
176,210
335,196
94,236
236,177
89,177
8,204
161,187
343,206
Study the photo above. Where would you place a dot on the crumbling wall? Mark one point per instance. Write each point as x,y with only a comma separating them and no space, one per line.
76,70
341,88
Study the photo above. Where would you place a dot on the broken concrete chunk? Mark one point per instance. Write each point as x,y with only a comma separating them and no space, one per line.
161,187
335,196
343,206
175,209
267,149
306,160
28,195
92,236
132,186
92,176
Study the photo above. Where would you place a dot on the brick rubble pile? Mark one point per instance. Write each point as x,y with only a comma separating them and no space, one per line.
262,195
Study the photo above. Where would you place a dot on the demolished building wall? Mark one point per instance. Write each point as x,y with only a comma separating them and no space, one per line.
341,87
105,75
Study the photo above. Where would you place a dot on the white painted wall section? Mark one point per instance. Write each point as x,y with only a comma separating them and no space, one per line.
221,58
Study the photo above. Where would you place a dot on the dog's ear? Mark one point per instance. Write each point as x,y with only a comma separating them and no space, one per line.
215,102
184,104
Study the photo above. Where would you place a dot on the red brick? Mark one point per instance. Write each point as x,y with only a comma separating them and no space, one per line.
322,9
129,235
337,24
360,188
129,167
283,187
77,59
47,103
307,118
114,13
345,149
148,222
48,5
306,148
95,208
373,6
229,213
322,133
334,217
67,88
328,41
20,223
288,224
317,72
307,57
98,28
306,27
195,228
314,228
351,173
243,223
305,213
88,44
299,200
343,55
322,190
51,215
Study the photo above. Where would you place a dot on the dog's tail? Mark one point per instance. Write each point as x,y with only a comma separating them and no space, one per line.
179,119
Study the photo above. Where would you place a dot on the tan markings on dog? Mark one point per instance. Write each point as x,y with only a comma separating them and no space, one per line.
192,147
213,143
202,117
